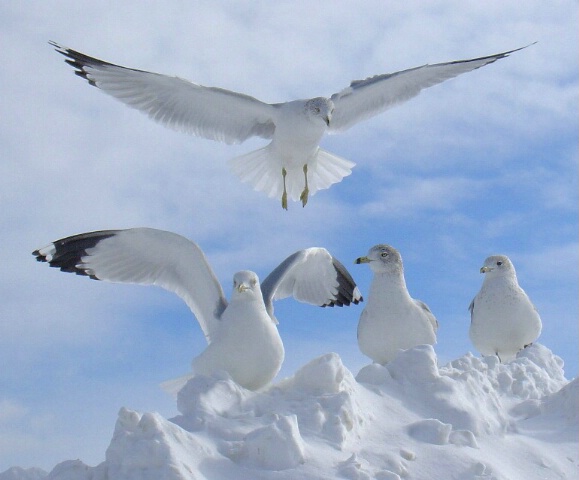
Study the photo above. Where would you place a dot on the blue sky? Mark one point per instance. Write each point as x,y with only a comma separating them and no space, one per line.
482,164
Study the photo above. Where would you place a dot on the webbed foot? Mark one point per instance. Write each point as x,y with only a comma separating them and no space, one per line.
304,196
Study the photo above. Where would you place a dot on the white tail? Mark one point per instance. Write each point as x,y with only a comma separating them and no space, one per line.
263,171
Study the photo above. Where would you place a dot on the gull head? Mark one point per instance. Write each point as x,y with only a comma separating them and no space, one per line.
383,258
320,109
497,265
245,284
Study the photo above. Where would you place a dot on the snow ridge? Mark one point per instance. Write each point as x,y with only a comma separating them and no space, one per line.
473,418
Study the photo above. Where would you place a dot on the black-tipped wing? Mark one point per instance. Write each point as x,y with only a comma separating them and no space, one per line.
365,98
207,112
144,256
311,276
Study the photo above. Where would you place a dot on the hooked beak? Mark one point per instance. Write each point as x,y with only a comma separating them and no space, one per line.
485,269
242,287
327,120
362,260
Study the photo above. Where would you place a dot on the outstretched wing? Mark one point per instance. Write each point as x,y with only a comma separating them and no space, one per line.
365,98
207,112
147,257
311,276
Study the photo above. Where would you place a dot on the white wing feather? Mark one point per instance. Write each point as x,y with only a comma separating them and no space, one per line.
145,256
208,112
307,275
311,276
365,98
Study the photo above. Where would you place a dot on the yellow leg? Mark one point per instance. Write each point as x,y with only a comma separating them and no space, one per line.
284,195
306,192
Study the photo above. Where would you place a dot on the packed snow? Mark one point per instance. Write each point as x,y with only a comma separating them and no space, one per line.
474,418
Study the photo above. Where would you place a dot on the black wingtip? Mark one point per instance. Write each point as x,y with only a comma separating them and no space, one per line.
66,254
79,61
348,292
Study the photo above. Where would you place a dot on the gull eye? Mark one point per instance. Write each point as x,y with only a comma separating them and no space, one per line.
384,254
317,109
499,263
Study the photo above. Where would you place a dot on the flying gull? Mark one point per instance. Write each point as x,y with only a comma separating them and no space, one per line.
292,164
242,334
503,319
392,319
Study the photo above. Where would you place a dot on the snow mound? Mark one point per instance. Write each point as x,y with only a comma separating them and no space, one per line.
320,396
18,473
473,418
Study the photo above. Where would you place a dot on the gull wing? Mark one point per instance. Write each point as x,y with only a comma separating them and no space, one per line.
207,112
365,98
428,312
144,256
471,308
311,276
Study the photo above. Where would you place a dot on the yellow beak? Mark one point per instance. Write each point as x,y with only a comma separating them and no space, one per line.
362,260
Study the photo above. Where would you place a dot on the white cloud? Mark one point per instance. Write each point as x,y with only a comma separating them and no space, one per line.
556,264
10,411
410,197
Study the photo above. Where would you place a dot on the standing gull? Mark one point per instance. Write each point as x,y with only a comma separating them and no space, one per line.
392,319
242,334
503,320
293,163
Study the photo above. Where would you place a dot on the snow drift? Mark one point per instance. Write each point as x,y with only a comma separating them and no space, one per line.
473,418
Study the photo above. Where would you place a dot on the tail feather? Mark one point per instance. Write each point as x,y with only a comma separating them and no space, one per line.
259,170
330,170
263,172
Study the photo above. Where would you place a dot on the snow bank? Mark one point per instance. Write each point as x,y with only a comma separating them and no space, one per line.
473,418
18,473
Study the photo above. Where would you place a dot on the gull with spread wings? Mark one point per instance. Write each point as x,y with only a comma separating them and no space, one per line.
292,164
242,334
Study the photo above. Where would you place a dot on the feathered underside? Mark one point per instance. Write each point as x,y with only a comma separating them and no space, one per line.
207,112
311,276
144,256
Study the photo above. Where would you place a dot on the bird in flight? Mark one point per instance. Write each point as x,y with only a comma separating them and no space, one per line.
242,334
292,164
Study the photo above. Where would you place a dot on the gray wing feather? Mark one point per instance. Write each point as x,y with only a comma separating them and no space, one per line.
429,314
207,112
365,98
471,308
311,276
144,256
